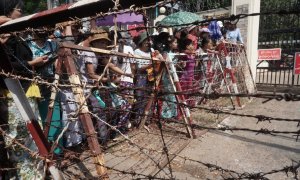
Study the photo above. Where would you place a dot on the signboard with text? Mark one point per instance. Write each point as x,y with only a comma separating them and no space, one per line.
269,54
135,32
297,63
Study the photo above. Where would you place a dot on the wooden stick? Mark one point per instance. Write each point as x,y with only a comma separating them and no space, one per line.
180,98
84,115
52,99
22,103
104,51
152,97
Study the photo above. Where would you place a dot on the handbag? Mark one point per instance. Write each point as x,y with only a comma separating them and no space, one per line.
33,91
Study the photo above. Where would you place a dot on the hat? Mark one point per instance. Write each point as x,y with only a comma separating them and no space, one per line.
220,24
191,28
205,30
99,34
142,37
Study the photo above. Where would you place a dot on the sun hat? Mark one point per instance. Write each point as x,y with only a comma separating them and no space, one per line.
142,37
191,28
99,34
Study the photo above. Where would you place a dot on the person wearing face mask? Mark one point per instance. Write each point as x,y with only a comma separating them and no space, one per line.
41,45
23,63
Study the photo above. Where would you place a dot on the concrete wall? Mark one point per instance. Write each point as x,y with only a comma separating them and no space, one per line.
249,28
215,13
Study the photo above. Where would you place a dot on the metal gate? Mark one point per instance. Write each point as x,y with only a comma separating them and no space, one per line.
279,31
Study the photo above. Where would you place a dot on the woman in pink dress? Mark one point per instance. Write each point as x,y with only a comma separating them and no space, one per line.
186,46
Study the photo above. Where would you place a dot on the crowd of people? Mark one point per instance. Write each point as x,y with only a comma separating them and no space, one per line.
128,80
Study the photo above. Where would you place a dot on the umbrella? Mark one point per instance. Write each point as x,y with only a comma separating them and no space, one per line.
127,18
181,17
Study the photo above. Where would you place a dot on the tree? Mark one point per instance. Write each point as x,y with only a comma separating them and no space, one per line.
203,5
280,28
33,6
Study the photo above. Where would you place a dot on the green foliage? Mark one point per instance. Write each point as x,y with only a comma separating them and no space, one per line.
203,5
279,27
33,6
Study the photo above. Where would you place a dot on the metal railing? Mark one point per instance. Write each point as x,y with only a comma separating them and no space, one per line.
279,31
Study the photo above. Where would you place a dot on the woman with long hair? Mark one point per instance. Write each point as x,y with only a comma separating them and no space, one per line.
169,106
233,34
187,78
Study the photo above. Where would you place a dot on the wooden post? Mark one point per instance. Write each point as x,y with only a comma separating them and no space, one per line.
225,80
84,116
18,95
152,97
52,99
180,98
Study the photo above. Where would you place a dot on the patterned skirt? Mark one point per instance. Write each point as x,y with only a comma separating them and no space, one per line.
28,167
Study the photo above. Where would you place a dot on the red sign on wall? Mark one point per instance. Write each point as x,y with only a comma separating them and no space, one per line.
269,54
297,63
135,32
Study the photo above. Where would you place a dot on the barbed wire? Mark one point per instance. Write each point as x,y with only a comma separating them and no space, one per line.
246,175
33,154
139,10
158,95
229,128
214,95
75,21
287,169
259,118
236,175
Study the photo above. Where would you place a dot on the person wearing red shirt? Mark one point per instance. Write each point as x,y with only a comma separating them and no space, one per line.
193,35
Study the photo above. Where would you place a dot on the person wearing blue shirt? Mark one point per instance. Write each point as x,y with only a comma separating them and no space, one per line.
40,45
233,34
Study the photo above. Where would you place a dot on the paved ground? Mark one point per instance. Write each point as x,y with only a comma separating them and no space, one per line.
245,151
238,151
